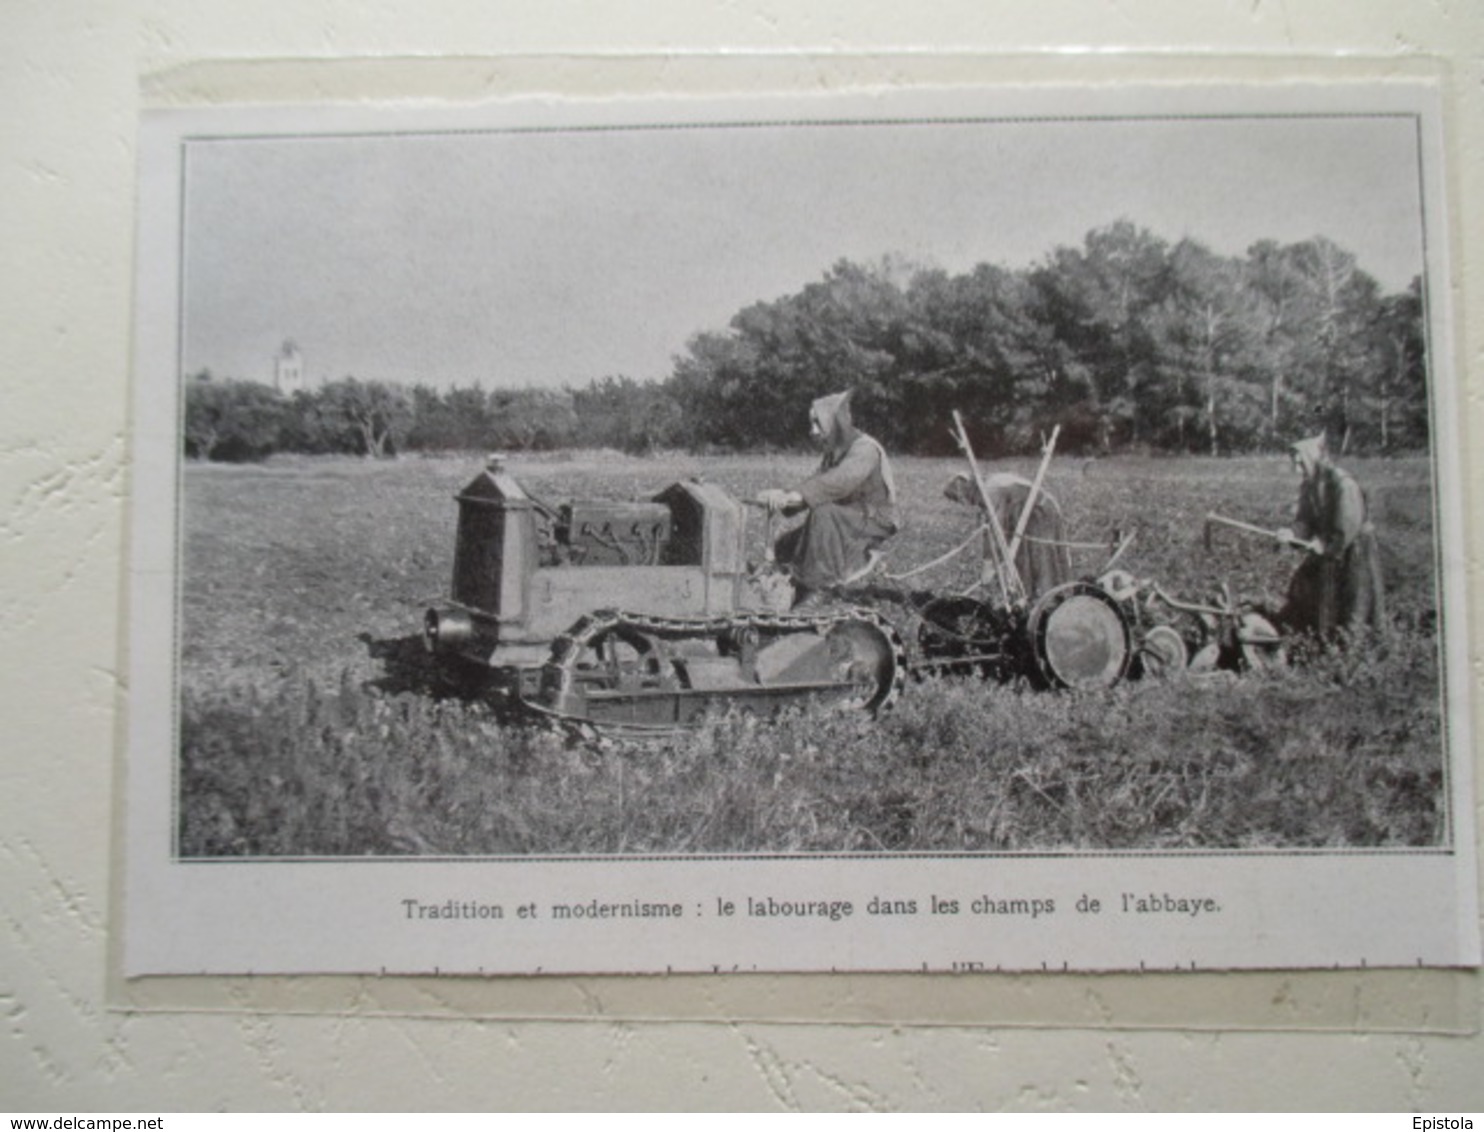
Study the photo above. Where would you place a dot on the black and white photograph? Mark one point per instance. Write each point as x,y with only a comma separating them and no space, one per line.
980,529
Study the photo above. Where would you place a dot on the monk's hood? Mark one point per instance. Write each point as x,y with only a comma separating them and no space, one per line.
830,417
1308,453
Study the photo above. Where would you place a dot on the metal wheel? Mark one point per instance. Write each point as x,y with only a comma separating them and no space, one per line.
869,658
624,658
1260,645
960,634
1162,652
1079,637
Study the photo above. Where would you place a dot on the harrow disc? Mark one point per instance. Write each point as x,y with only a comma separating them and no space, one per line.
1260,643
1163,652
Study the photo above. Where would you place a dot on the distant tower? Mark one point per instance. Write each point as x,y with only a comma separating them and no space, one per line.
288,368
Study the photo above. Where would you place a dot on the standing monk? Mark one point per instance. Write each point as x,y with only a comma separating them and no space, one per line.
1337,587
1043,560
851,503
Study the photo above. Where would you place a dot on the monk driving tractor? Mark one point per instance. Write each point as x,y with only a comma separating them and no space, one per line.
851,503
1037,620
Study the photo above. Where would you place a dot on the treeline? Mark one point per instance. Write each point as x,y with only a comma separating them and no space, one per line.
1129,342
235,420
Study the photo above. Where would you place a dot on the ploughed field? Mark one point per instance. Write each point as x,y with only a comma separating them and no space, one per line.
308,727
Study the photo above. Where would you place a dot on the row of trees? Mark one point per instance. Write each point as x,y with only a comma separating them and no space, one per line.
245,420
1128,342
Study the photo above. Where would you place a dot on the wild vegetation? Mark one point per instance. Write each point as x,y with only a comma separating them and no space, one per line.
307,726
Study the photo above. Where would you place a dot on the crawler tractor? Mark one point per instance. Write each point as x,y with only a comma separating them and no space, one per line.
642,617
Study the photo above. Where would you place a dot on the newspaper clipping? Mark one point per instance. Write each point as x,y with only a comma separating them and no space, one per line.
986,529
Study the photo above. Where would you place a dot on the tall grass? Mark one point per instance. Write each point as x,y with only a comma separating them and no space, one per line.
1345,752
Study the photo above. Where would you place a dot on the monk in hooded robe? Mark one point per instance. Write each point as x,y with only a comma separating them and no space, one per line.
1337,587
851,503
1043,560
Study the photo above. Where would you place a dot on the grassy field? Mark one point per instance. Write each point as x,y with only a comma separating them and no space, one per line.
305,732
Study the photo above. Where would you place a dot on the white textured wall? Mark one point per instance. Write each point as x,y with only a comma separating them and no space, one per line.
69,95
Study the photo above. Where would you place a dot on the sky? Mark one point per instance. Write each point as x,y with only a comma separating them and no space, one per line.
556,257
